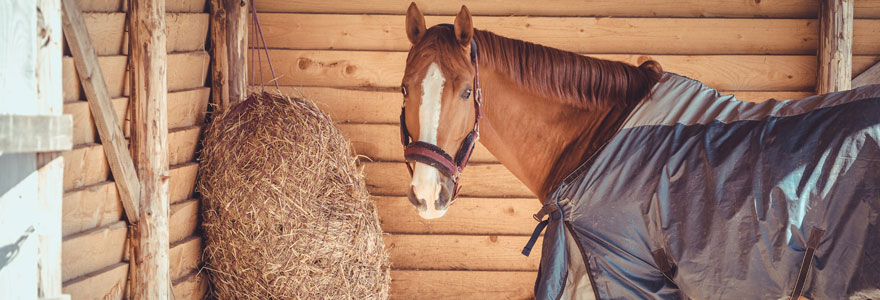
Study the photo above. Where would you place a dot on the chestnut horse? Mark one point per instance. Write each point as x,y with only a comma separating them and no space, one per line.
574,104
653,185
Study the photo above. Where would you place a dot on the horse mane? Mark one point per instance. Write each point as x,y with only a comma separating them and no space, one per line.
579,81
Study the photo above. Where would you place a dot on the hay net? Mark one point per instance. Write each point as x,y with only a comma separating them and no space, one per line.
286,214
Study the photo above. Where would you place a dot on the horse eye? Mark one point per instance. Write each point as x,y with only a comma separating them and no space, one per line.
403,90
466,94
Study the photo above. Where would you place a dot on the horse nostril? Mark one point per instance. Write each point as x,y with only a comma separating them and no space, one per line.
416,201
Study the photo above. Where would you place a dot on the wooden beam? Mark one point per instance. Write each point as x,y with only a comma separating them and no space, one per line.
36,133
149,143
237,47
461,252
868,77
462,285
835,45
219,55
102,109
50,166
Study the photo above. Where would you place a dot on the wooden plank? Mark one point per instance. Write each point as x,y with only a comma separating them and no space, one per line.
182,144
106,284
759,96
583,35
90,207
868,77
186,32
93,250
219,55
861,63
35,133
84,130
506,216
185,257
149,145
183,220
391,178
182,181
85,165
462,285
188,107
380,106
460,252
381,142
385,69
122,5
186,71
237,18
50,166
835,46
601,8
102,110
185,109
192,287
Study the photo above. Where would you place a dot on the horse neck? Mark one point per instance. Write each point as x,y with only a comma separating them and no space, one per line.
540,140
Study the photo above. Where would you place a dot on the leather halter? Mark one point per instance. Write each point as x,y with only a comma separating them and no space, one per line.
418,151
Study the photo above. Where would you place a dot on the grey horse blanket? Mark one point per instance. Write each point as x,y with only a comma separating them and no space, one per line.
702,196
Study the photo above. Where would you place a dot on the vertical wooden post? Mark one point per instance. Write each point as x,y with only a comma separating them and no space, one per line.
149,142
835,45
237,43
50,166
219,54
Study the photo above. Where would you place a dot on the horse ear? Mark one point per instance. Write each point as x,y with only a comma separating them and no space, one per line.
464,26
415,23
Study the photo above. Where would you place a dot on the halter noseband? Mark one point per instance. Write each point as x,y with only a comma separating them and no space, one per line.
418,151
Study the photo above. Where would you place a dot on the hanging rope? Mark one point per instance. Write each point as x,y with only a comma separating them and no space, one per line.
258,38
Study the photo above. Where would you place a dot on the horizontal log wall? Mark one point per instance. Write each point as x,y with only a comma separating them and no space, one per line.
349,58
94,253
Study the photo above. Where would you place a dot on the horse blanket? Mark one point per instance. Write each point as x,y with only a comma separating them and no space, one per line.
702,196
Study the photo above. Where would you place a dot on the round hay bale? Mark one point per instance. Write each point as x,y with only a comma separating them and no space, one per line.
285,211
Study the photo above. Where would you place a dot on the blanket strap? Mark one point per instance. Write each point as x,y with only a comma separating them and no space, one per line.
812,244
545,210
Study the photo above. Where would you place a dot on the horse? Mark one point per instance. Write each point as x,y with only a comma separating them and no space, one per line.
653,185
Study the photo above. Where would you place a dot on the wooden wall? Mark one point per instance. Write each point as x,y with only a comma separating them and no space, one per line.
94,249
349,57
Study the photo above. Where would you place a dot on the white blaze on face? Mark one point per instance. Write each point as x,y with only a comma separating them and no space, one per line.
426,179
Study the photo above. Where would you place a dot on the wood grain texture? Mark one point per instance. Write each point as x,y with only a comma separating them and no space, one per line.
35,133
237,18
462,285
191,287
219,55
93,250
149,147
184,219
385,69
95,87
182,144
90,207
185,257
50,166
182,181
835,46
122,5
106,284
582,35
486,216
867,77
392,179
85,165
602,8
185,109
186,32
186,71
460,252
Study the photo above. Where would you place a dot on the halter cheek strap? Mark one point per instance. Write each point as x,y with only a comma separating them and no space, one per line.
432,155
